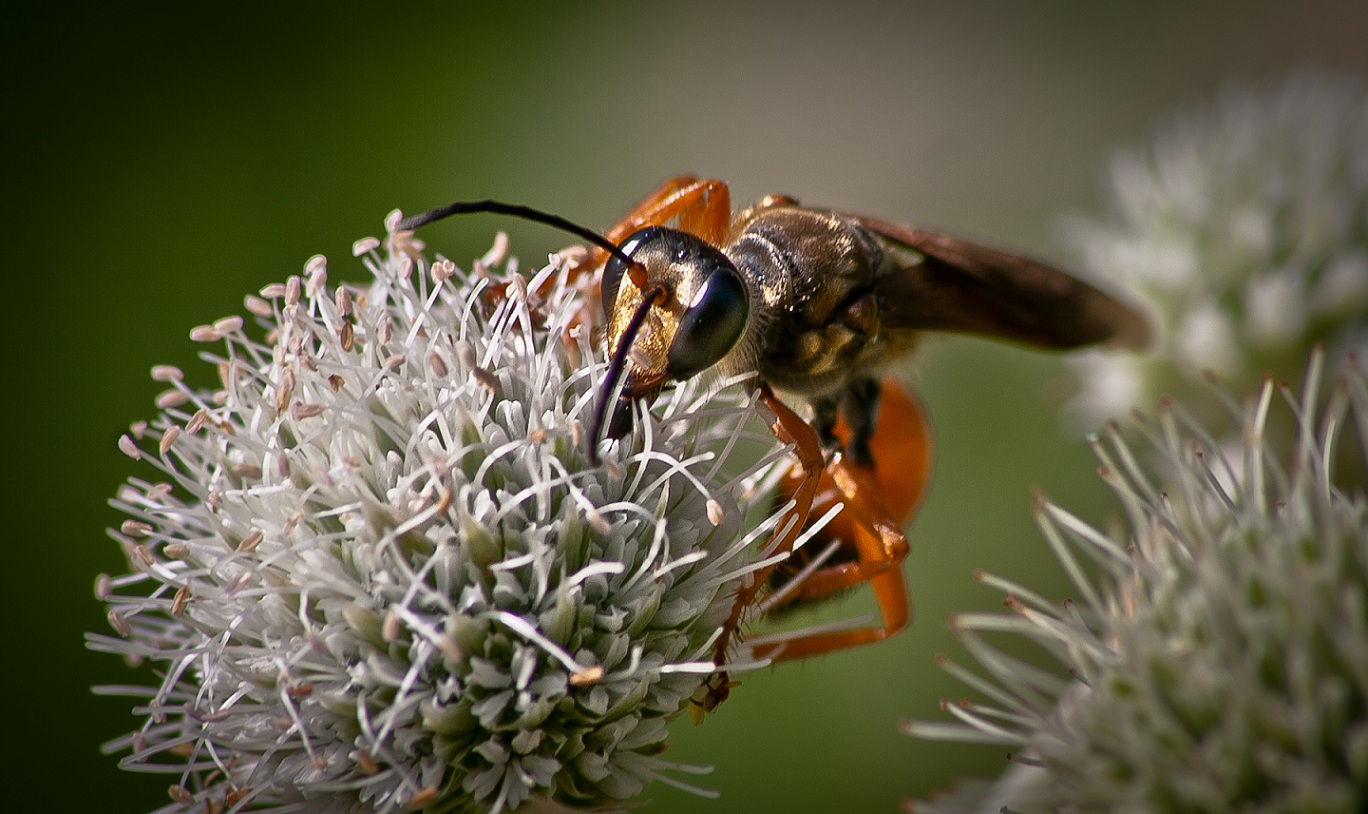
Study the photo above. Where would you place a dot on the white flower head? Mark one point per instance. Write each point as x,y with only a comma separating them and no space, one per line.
1245,228
1218,647
376,572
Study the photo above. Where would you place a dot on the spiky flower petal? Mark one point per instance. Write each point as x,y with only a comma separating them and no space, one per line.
1218,648
376,572
1245,227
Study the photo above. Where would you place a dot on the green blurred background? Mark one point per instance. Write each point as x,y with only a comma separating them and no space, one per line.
164,160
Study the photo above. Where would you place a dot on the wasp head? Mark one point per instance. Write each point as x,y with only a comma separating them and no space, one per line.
674,311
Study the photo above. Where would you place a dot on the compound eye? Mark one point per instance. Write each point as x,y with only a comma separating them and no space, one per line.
710,326
616,267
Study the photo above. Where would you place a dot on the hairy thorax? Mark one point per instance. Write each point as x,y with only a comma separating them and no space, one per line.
815,314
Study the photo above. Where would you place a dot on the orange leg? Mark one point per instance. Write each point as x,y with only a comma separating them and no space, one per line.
789,428
703,209
902,461
881,546
878,502
702,206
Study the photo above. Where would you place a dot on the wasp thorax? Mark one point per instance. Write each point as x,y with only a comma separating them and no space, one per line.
699,310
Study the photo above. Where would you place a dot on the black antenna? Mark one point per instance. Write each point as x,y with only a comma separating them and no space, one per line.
518,211
616,366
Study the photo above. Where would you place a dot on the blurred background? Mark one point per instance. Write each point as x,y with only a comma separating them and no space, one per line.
162,161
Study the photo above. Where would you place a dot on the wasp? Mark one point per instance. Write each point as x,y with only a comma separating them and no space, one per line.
818,304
